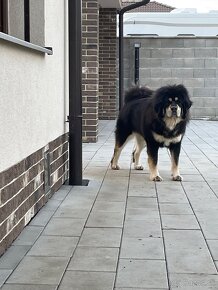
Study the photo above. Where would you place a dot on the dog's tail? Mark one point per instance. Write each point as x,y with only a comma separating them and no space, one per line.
137,93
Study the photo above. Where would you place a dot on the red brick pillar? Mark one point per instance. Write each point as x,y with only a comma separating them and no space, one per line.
107,64
90,55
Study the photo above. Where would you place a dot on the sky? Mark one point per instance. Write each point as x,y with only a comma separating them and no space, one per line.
203,6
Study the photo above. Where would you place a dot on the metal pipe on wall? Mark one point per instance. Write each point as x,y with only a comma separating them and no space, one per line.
121,66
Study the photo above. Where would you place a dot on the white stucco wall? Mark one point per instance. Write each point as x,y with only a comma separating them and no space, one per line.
32,91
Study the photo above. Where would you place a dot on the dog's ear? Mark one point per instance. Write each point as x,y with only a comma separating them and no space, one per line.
158,107
186,106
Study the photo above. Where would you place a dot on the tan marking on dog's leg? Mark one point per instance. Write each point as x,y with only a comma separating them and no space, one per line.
115,158
140,145
175,170
154,174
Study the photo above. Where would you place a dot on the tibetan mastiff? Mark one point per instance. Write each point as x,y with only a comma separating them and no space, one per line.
156,119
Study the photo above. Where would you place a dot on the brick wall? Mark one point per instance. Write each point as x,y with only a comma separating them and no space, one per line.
90,57
107,64
187,60
26,186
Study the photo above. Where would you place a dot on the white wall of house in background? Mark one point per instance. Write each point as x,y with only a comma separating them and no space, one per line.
33,90
177,22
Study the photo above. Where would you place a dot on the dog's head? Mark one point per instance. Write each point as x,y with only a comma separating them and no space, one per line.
172,102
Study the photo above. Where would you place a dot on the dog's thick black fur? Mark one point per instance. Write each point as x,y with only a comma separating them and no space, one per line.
156,119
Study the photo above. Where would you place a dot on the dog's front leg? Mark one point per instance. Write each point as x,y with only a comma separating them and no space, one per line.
152,162
175,151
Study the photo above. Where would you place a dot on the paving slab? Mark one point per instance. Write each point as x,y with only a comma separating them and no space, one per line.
94,259
141,273
39,270
87,280
187,252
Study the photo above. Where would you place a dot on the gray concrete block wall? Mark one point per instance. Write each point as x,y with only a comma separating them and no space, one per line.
188,60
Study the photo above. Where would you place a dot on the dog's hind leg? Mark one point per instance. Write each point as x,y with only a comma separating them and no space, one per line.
139,146
119,145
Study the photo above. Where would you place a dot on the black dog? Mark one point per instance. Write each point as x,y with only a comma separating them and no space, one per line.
156,119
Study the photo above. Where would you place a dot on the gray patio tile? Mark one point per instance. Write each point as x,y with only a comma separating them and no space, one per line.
28,287
94,259
13,256
110,196
109,206
209,223
140,214
66,211
141,273
28,236
142,248
142,202
64,227
140,186
101,237
185,222
42,218
87,281
213,245
52,204
53,246
4,274
105,219
142,229
175,209
61,193
39,270
187,252
193,281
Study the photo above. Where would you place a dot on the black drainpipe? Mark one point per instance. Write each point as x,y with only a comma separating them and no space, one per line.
75,93
121,74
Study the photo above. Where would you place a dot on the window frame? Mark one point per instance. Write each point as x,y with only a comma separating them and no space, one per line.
4,16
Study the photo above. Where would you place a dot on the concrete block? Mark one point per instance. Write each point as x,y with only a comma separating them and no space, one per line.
206,102
204,73
194,82
182,73
188,43
144,73
172,63
205,52
171,81
162,53
211,42
193,63
204,92
145,52
161,73
211,83
203,112
211,63
183,52
165,43
150,62
149,42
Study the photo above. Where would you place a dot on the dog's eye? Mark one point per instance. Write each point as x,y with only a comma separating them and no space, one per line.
170,99
176,99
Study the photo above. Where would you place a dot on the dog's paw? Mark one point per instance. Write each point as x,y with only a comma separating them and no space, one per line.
115,167
156,178
138,167
177,178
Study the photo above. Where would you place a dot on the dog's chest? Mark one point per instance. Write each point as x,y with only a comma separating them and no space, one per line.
166,141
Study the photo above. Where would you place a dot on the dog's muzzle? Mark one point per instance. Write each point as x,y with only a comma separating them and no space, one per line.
174,108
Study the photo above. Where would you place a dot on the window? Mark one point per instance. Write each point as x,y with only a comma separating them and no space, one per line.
23,19
3,16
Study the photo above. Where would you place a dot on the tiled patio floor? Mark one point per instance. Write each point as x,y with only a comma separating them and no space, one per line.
123,231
